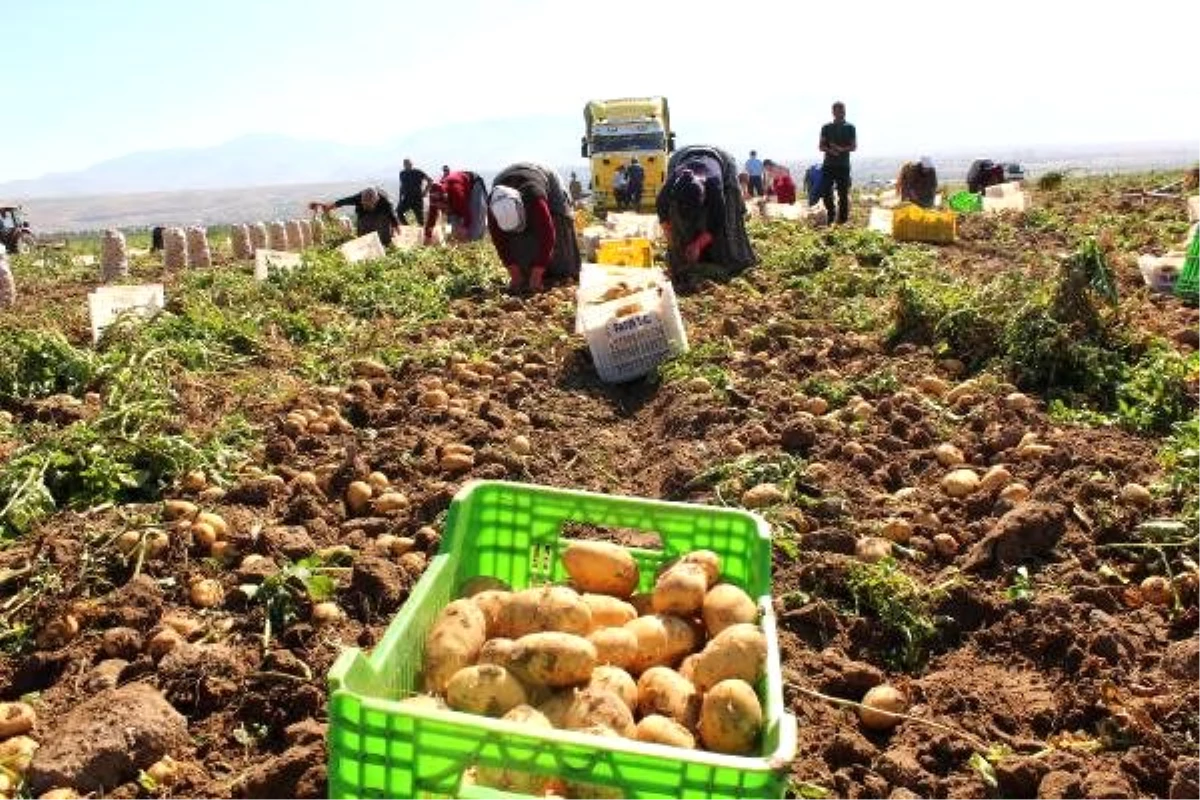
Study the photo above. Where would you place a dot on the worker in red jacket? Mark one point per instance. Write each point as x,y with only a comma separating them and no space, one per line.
532,225
462,197
784,188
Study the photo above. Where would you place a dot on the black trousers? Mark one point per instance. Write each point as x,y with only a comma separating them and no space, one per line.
839,176
415,205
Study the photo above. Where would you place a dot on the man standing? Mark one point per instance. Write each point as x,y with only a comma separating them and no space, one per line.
754,168
838,141
636,180
413,185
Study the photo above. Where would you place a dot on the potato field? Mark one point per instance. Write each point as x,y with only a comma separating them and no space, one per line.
978,461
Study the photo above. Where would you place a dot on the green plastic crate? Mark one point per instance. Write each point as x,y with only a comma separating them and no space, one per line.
1187,285
965,202
379,748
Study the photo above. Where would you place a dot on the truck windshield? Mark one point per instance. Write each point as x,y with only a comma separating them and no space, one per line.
612,143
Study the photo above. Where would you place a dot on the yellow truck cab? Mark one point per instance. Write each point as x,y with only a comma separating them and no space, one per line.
618,130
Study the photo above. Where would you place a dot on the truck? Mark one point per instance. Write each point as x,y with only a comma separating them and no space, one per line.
616,131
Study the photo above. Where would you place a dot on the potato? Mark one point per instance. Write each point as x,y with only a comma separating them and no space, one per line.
651,635
515,780
683,637
608,612
680,590
616,646
643,603
358,495
708,560
550,608
553,659
496,651
491,602
16,719
617,681
16,754
662,690
554,707
486,689
740,651
527,715
731,718
425,701
658,729
882,703
483,583
453,642
599,707
663,639
725,605
601,567
687,667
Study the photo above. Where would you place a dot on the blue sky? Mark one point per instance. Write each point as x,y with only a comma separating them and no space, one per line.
99,80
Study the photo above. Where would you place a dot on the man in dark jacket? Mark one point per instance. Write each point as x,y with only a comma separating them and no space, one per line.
373,211
413,185
838,140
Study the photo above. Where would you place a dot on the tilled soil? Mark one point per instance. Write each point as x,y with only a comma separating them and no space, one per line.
1085,687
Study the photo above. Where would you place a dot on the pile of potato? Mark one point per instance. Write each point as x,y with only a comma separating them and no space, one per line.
676,666
199,255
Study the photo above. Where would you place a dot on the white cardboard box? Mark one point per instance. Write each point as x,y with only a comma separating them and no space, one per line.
108,302
267,261
364,248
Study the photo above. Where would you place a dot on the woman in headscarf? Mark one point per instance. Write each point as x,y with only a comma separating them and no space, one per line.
702,211
462,197
532,226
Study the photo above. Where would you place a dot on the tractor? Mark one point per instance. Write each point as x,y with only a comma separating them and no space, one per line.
15,234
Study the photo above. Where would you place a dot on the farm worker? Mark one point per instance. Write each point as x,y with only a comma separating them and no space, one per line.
838,140
462,196
413,185
983,173
636,177
575,188
812,183
702,210
620,186
917,182
754,171
784,188
373,211
532,225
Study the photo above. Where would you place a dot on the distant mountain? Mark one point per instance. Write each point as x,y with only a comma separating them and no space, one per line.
272,159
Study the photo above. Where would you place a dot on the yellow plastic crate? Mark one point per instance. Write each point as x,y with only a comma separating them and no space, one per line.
911,223
625,253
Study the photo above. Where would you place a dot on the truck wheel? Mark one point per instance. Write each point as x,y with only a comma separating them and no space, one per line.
25,242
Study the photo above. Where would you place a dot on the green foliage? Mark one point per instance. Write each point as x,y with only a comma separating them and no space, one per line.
731,478
284,593
1180,458
37,363
1021,587
705,360
1154,394
901,605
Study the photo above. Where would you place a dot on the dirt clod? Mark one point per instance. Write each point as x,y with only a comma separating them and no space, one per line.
1031,529
104,741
